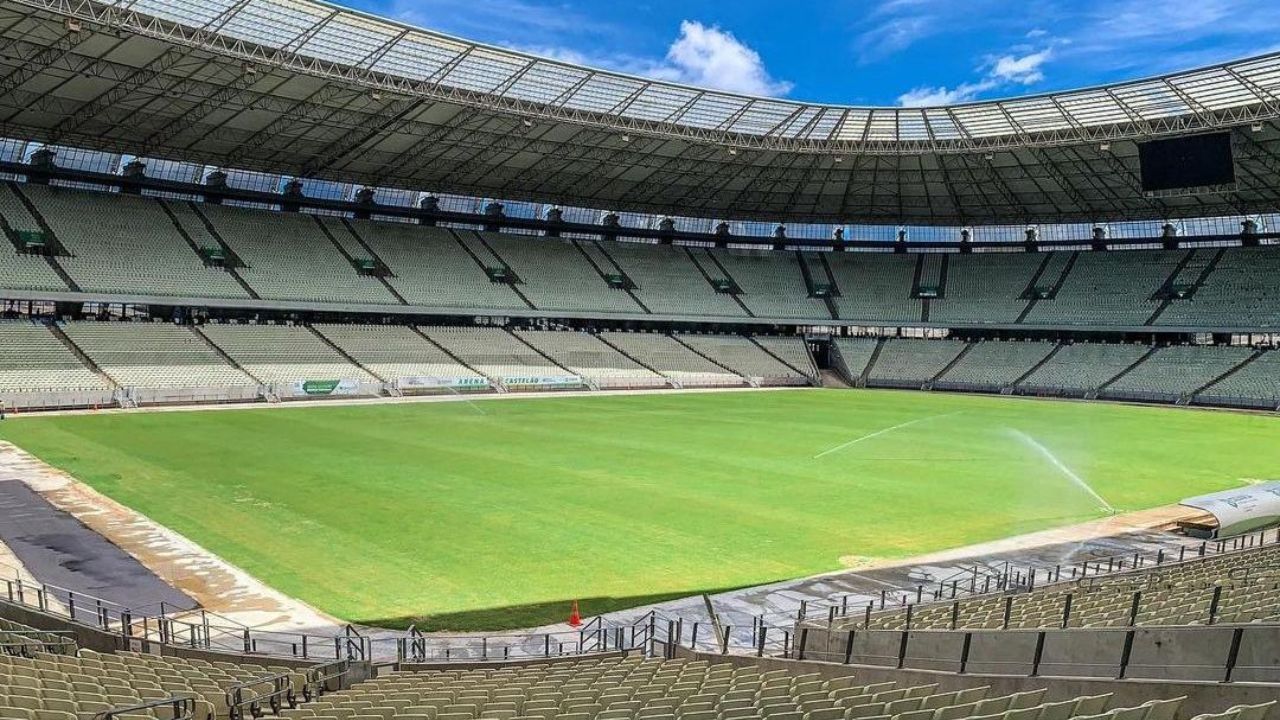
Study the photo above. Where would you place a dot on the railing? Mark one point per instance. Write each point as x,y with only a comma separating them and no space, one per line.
180,708
193,395
1009,579
319,677
239,706
596,636
184,627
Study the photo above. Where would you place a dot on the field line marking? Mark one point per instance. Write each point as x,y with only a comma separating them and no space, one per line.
878,433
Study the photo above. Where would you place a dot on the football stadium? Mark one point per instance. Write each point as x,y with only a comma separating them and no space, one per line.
352,370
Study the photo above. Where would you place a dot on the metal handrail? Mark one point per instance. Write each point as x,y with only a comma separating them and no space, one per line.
319,676
187,627
183,708
236,702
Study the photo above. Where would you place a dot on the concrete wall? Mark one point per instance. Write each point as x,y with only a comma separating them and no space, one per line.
1165,653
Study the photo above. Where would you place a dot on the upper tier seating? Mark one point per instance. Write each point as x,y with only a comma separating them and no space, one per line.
394,352
875,286
1179,594
1241,291
33,359
1109,288
671,358
590,357
123,244
291,259
743,356
1179,370
985,288
1083,367
153,355
283,353
667,281
771,282
19,271
906,362
141,246
430,267
494,352
995,365
555,275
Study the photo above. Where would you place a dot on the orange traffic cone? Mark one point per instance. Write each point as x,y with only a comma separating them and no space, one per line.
575,619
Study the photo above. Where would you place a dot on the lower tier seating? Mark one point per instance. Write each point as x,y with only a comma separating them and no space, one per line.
856,354
908,362
1083,367
42,685
995,365
395,352
1257,383
154,355
1179,370
638,689
744,357
494,352
32,359
672,358
590,357
283,353
1181,594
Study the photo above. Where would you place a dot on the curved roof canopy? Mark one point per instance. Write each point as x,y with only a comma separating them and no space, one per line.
306,88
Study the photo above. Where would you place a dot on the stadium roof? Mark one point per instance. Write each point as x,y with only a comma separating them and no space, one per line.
309,89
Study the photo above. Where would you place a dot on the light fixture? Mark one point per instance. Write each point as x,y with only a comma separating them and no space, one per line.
73,25
250,70
990,156
838,160
528,123
375,95
733,151
1257,127
1105,147
626,138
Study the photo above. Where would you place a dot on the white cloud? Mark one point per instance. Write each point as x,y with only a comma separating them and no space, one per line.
935,96
702,55
1002,71
1020,70
710,57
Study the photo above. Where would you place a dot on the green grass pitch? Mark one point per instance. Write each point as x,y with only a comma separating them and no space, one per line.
495,515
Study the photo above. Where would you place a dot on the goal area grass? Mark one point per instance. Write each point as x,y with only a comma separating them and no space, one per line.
495,515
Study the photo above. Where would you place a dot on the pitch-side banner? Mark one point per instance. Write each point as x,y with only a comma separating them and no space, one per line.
425,383
325,388
1239,511
542,381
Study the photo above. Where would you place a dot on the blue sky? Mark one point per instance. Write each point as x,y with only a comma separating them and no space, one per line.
883,52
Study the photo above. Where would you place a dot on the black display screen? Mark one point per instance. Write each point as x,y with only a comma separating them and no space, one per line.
1190,162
